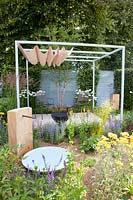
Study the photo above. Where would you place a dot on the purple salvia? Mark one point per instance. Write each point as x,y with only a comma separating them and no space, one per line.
59,161
44,160
50,176
64,163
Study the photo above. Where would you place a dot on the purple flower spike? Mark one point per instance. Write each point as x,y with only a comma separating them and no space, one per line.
64,163
33,161
44,159
59,161
50,177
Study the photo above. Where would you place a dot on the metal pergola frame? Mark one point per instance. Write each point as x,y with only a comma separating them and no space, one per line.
84,56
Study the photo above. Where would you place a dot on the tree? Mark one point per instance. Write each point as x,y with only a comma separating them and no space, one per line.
92,21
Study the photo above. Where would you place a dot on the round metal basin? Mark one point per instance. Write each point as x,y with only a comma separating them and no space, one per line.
60,116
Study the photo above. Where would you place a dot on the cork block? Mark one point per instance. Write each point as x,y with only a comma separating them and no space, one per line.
20,129
115,101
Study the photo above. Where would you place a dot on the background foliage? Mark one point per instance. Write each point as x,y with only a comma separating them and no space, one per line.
128,103
94,21
85,76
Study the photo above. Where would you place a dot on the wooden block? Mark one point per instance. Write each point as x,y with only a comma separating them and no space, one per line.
115,101
20,129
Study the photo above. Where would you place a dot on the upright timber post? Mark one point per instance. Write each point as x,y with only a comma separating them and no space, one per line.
20,129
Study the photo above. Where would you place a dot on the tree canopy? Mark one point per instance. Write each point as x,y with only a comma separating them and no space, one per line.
92,21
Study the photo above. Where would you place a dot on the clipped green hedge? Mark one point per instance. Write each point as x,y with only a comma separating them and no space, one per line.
85,77
128,89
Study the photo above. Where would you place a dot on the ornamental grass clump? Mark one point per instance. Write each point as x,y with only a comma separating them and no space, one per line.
113,174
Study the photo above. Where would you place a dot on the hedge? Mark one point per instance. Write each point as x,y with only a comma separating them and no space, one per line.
128,89
85,77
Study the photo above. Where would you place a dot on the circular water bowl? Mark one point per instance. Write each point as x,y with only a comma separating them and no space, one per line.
45,159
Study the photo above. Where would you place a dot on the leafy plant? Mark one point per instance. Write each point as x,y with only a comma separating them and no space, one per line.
70,131
36,137
3,129
89,144
89,162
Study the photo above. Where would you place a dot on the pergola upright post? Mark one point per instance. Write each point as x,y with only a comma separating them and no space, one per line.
93,99
27,81
122,84
17,74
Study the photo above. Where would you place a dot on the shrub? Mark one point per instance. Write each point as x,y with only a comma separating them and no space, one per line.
128,122
89,144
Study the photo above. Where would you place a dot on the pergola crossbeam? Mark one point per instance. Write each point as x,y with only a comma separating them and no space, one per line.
68,44
78,52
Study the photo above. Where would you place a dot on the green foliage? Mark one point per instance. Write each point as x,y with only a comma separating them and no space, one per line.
8,101
17,183
90,21
104,111
3,129
84,132
127,124
88,134
34,77
85,76
89,162
128,89
90,143
70,131
53,133
36,138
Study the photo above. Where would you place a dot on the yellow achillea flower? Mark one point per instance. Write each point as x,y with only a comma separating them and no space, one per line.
1,113
113,143
124,134
131,139
103,144
119,163
112,136
104,138
131,164
107,146
123,140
